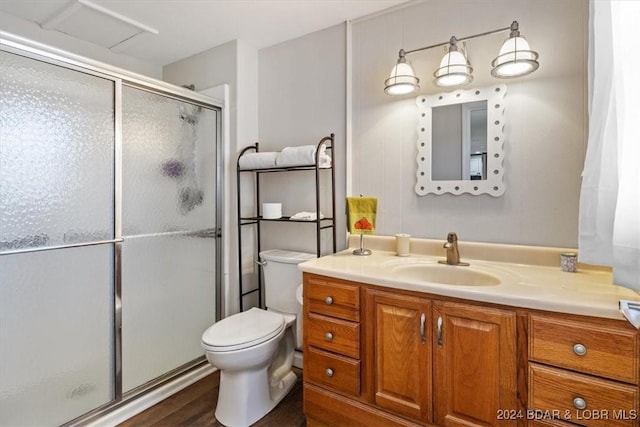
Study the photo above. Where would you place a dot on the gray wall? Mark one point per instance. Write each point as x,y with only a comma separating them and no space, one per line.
302,88
546,120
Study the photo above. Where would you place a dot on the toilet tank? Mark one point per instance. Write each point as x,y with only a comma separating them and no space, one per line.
282,278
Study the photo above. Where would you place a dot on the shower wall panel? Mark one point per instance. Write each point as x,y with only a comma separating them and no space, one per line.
56,191
56,165
108,235
168,297
56,335
169,230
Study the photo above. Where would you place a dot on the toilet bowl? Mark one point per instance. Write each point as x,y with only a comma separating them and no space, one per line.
254,349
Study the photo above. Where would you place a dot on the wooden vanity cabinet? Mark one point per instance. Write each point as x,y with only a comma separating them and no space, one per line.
474,365
377,356
332,334
584,371
399,348
466,367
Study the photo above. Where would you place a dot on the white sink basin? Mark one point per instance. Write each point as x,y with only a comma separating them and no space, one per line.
445,274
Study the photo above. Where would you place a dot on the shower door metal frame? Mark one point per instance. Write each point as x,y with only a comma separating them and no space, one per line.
47,54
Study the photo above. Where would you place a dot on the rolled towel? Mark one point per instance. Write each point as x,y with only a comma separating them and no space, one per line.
304,155
264,160
324,161
306,216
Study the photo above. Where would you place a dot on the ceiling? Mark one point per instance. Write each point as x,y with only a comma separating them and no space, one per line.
165,31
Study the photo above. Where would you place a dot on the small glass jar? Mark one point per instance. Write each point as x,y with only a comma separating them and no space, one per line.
568,262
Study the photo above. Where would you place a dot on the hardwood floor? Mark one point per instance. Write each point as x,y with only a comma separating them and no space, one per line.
195,407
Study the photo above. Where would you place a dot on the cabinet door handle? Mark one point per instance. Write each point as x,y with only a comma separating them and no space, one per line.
423,337
328,336
329,372
579,349
579,403
328,300
439,331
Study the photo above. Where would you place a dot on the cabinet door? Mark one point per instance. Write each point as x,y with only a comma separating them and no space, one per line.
399,353
474,365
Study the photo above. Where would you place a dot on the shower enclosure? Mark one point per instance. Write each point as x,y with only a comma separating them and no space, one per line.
109,234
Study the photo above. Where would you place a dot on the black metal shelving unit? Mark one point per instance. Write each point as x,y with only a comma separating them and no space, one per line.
256,220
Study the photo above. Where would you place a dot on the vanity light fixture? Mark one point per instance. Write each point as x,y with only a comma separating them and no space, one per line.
454,68
515,59
403,79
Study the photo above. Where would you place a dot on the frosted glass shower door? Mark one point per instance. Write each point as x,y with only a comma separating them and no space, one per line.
56,242
169,232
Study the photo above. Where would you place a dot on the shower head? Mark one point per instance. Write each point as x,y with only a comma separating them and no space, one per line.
192,119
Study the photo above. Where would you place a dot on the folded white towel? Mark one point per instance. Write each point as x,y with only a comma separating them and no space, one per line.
631,310
264,160
306,216
304,155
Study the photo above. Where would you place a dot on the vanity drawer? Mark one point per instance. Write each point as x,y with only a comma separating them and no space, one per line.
336,372
604,351
334,335
582,399
335,298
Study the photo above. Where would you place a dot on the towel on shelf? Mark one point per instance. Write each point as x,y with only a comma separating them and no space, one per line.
306,216
304,155
361,215
264,160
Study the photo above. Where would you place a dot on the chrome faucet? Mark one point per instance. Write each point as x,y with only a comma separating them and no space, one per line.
453,255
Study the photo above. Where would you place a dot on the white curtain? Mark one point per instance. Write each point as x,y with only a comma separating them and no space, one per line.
609,230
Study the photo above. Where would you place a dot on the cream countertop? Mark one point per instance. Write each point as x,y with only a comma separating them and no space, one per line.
530,277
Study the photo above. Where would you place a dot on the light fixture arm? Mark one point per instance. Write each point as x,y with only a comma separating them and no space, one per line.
513,27
515,59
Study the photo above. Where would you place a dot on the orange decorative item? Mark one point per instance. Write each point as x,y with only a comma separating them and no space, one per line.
364,209
363,224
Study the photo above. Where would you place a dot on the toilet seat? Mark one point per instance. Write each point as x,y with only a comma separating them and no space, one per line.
243,330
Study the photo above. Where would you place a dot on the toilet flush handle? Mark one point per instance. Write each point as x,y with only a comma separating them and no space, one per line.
261,263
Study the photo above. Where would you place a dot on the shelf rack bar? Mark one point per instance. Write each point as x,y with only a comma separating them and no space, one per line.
321,224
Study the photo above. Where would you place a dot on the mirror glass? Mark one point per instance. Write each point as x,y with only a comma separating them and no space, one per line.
460,139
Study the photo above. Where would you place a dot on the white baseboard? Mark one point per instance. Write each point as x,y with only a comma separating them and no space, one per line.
149,399
297,359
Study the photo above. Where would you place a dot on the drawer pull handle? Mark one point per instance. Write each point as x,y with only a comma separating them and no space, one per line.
328,336
579,349
328,300
579,403
439,332
329,372
423,337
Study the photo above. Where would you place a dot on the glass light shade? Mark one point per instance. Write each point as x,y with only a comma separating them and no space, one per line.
515,59
402,79
454,70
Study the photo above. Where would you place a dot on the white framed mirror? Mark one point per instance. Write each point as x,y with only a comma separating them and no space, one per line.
460,141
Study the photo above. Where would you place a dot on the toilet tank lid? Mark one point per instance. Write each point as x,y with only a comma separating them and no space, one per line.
289,257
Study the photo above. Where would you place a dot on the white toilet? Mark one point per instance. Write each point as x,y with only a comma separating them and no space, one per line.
254,349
